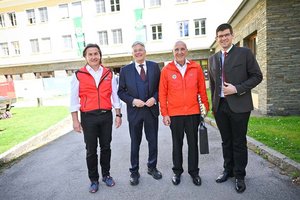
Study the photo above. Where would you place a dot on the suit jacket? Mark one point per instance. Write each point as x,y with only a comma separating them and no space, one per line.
128,87
241,70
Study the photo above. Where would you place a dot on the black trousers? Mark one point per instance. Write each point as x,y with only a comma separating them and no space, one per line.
189,125
144,119
233,128
97,127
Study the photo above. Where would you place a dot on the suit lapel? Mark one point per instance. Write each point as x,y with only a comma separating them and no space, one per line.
150,74
132,78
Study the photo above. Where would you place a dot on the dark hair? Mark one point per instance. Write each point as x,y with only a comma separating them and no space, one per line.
92,46
223,27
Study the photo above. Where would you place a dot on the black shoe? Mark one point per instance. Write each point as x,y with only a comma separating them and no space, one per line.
197,180
240,185
176,179
223,177
134,178
154,173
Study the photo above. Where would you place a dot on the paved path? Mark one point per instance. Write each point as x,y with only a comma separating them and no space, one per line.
58,171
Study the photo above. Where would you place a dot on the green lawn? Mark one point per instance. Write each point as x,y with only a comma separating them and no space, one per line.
279,133
27,122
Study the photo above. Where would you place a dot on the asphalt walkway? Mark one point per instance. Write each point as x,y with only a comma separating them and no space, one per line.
57,171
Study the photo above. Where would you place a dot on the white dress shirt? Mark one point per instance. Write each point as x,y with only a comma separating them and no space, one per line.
182,69
74,97
138,68
223,58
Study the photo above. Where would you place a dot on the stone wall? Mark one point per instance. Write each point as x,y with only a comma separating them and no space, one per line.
277,24
255,21
283,57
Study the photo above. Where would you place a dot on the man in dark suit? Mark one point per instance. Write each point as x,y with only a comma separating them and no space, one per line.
138,88
233,72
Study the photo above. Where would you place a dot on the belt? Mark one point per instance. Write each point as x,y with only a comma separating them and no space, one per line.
98,111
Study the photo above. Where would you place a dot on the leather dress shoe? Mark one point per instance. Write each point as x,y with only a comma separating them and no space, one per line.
176,179
223,177
240,185
154,173
197,180
134,178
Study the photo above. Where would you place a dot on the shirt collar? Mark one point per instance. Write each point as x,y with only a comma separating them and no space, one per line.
227,49
178,65
137,64
90,69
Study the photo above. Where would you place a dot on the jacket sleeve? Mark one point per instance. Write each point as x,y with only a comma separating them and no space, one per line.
254,75
202,88
122,90
157,79
163,93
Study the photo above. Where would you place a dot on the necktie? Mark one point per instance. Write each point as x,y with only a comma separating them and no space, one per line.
142,74
223,73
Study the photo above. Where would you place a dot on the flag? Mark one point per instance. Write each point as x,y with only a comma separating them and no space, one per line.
79,34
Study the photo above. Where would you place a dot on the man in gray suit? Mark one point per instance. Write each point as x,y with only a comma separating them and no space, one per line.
233,72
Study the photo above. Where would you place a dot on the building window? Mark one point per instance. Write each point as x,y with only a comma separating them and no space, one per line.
103,39
155,3
4,51
117,36
35,45
16,47
2,20
67,41
76,9
46,45
250,42
200,26
12,18
43,14
156,32
100,6
115,5
183,28
64,11
31,16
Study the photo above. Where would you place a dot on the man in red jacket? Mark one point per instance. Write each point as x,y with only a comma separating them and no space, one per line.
181,82
94,93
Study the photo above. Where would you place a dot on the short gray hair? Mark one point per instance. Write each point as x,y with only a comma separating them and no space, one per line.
137,43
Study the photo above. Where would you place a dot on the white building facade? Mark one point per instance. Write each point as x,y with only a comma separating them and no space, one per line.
37,32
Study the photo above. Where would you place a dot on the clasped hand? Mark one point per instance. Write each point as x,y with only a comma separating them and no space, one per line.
139,103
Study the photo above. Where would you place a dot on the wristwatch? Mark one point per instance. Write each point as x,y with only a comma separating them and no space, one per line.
119,115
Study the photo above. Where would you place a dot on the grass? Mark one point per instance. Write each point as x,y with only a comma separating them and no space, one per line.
27,122
281,133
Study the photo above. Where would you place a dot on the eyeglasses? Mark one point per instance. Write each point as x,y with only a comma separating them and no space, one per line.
225,35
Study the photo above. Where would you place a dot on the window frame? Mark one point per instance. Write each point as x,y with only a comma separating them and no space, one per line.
117,36
100,6
43,11
31,16
183,30
103,37
115,5
158,34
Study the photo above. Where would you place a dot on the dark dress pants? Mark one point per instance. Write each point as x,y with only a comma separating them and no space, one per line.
233,129
185,124
97,127
144,118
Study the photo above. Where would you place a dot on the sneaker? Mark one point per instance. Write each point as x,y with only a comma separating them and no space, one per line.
109,181
94,187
